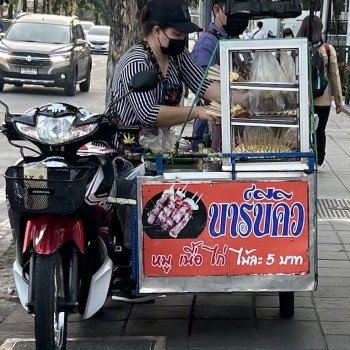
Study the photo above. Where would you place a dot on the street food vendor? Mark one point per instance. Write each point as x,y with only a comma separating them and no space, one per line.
166,24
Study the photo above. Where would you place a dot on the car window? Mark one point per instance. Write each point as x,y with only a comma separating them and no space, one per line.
86,25
40,33
80,32
96,30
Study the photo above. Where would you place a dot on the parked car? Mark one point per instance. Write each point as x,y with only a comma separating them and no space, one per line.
98,36
46,50
87,25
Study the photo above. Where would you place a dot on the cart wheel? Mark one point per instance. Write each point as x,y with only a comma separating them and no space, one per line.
286,304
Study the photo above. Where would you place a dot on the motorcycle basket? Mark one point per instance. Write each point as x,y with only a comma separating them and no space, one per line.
60,191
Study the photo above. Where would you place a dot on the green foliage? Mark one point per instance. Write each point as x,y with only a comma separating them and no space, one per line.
193,3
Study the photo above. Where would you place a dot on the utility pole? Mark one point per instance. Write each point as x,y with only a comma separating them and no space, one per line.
205,14
325,12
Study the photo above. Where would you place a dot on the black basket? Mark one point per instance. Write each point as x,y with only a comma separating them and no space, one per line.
264,9
63,191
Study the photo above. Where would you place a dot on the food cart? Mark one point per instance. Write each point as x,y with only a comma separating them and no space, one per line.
249,223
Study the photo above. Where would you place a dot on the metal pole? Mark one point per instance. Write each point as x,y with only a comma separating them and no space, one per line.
325,12
311,19
206,13
348,28
347,48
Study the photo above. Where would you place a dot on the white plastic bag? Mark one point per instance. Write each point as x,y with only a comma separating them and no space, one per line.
266,69
288,69
157,140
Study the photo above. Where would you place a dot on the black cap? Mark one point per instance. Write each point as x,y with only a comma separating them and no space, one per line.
287,31
172,13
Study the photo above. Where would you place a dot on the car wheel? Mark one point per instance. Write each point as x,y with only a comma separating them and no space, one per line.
71,88
18,84
85,85
2,84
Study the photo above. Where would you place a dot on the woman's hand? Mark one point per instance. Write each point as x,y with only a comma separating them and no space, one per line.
201,113
337,107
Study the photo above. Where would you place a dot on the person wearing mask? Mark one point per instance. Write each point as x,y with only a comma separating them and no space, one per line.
166,24
259,33
223,27
322,104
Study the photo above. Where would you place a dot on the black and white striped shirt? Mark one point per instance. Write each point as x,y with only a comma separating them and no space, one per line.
141,108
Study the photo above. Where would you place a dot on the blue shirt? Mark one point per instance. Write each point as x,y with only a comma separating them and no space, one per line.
205,46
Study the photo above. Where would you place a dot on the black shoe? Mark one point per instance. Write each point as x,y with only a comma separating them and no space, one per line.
130,297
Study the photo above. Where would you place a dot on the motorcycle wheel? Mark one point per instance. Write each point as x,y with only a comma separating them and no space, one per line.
49,291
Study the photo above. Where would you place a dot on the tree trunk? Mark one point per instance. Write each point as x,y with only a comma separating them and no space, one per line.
125,31
10,12
24,5
44,6
35,6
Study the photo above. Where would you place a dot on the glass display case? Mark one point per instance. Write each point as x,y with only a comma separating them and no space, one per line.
265,109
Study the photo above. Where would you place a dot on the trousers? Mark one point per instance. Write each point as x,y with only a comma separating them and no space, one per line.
323,115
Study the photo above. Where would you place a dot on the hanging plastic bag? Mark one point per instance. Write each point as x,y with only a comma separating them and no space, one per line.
157,140
288,69
151,139
266,69
125,180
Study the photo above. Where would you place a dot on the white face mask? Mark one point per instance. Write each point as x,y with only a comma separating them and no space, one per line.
288,37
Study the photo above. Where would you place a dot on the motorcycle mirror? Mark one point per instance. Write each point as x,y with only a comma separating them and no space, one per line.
144,81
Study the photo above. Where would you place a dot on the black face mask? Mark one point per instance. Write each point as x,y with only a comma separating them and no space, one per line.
235,26
176,46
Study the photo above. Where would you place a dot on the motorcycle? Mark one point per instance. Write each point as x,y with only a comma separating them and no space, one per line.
61,205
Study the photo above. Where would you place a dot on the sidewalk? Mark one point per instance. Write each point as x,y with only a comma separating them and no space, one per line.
241,320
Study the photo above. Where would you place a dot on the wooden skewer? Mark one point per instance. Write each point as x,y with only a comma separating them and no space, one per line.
195,195
215,105
199,198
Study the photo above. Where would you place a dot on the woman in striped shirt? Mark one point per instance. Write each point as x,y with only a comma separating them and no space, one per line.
166,24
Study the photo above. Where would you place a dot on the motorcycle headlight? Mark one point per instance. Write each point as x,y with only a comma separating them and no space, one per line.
4,55
55,131
60,57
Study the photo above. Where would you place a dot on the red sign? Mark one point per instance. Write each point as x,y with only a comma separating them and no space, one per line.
225,228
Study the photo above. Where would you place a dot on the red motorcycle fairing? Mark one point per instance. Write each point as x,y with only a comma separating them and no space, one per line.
49,232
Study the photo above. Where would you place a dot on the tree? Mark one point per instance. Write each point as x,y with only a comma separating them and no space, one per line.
125,31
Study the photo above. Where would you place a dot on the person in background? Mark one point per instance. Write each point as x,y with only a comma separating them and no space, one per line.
259,33
322,104
247,34
1,6
287,33
223,27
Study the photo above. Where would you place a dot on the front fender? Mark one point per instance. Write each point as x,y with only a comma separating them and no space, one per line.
48,233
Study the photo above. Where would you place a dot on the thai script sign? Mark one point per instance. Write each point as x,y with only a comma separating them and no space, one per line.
225,228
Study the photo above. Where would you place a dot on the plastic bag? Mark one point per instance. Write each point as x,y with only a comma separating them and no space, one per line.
288,69
157,140
125,180
266,69
152,139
